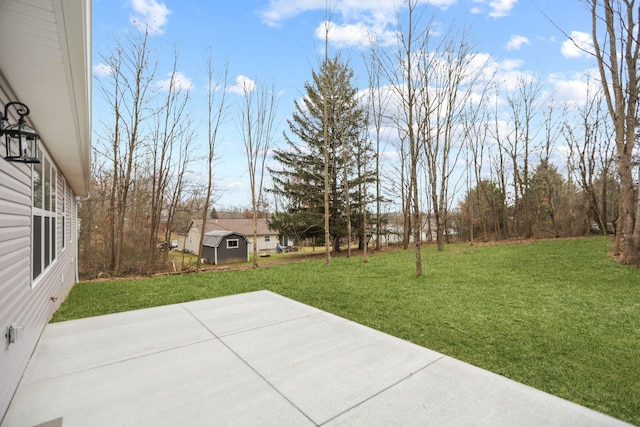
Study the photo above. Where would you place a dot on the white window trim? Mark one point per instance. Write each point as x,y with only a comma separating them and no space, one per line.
237,243
53,214
63,216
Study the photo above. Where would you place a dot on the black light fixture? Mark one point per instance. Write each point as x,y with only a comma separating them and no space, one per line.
21,134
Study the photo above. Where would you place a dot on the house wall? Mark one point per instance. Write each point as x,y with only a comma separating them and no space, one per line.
231,255
28,303
190,241
266,243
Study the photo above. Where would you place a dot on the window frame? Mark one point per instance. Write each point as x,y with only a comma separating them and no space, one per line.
45,216
64,190
236,241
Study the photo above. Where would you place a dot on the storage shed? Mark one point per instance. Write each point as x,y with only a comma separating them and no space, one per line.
225,247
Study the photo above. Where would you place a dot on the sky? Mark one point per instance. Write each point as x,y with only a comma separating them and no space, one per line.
280,42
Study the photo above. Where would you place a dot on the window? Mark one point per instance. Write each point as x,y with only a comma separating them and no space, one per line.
233,243
267,238
44,216
63,217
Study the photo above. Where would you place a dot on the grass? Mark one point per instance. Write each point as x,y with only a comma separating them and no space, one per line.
558,315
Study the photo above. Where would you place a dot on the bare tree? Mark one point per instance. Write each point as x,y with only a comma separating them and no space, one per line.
325,150
449,80
216,115
547,183
589,139
476,134
257,115
363,158
400,69
522,109
127,92
168,131
616,23
499,169
378,102
346,151
178,184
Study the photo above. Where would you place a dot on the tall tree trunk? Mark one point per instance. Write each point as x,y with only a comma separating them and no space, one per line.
216,110
620,86
325,151
257,116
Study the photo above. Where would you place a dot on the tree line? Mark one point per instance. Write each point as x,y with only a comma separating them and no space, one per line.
435,138
477,157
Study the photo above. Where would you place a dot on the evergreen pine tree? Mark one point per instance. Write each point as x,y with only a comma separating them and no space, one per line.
299,182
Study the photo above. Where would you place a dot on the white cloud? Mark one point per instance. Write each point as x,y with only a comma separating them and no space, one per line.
102,69
580,44
357,34
511,64
151,16
243,85
180,82
574,90
516,42
347,34
359,22
497,8
500,8
280,10
381,12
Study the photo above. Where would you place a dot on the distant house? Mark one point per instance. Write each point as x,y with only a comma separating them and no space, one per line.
267,239
45,66
225,247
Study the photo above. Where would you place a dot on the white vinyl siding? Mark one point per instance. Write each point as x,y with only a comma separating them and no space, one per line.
29,306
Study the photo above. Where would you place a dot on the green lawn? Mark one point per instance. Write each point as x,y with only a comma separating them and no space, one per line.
558,315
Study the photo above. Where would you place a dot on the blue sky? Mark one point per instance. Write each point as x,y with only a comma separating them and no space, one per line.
280,41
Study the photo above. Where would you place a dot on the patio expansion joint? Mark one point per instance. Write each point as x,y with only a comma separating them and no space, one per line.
246,363
268,325
116,362
389,387
254,328
268,382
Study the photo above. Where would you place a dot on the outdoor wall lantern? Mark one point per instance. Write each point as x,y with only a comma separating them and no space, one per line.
19,134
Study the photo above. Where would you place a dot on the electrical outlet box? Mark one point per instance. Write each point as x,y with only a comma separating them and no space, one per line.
12,333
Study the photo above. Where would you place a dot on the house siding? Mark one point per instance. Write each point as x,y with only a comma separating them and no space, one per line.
239,254
262,244
192,241
216,250
29,304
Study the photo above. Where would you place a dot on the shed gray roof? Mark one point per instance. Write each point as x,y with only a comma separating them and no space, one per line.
213,238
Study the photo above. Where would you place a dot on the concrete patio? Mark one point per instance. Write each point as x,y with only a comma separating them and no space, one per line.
260,359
